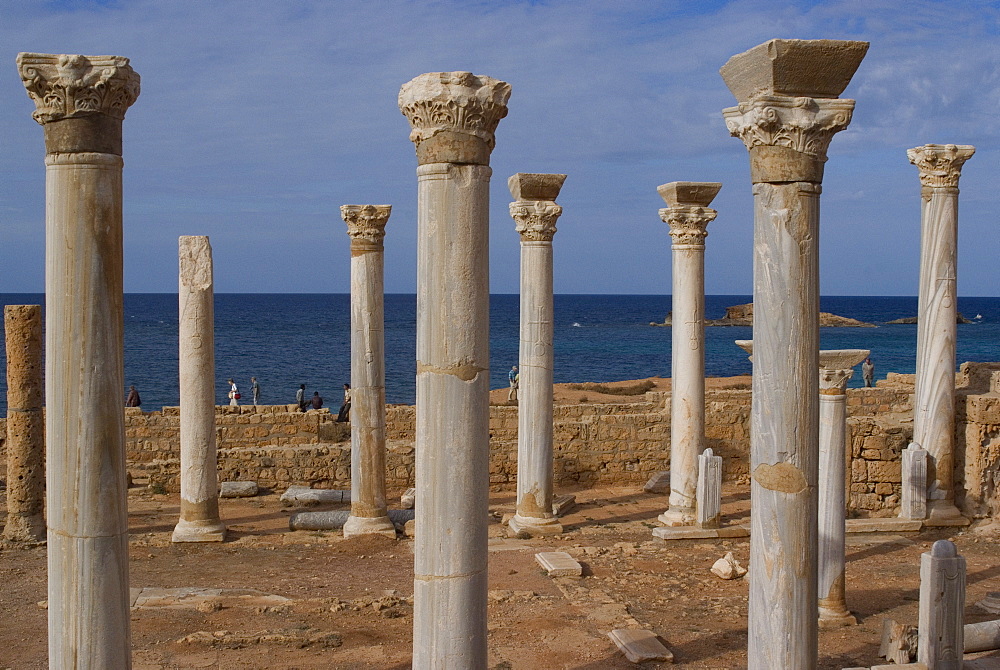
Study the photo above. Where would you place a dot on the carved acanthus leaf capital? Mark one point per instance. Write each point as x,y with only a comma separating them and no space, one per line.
453,115
797,130
833,381
366,222
535,219
72,86
688,224
940,165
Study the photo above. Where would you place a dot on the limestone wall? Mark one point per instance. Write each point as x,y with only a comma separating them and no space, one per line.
595,444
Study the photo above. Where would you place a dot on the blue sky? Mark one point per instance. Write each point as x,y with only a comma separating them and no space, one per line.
257,120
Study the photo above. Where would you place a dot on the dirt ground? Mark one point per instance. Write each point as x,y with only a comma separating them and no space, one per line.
271,598
314,600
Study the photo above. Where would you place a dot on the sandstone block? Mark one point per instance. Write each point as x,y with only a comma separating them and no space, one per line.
237,489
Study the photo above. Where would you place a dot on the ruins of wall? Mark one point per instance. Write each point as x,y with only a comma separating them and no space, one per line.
603,444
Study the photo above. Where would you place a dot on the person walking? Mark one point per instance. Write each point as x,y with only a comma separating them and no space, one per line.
300,397
514,378
254,390
133,399
868,372
345,409
317,401
234,394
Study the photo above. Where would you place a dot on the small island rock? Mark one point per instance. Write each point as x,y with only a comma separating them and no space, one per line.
742,315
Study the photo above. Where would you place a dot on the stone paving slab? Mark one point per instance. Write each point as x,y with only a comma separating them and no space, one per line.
640,645
695,533
892,525
559,564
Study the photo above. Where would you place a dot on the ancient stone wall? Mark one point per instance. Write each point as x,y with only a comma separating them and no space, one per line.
595,444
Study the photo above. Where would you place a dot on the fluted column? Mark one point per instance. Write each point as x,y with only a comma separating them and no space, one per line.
940,167
535,212
453,117
199,519
366,228
81,102
25,434
787,114
836,369
688,215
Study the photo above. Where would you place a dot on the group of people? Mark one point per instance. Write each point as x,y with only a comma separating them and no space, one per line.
235,395
316,402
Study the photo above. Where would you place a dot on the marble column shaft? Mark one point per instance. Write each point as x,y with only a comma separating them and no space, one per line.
366,228
688,216
535,213
934,409
832,506
199,519
453,116
81,102
25,432
787,116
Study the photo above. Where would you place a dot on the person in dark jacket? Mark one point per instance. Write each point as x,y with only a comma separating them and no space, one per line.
133,399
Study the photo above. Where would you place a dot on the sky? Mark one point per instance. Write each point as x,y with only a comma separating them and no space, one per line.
257,120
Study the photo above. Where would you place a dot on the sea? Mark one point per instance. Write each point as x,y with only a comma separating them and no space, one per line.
290,339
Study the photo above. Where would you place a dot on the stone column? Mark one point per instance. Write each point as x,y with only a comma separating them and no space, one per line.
535,212
788,112
366,228
199,519
81,102
934,408
941,641
25,434
688,215
836,369
453,116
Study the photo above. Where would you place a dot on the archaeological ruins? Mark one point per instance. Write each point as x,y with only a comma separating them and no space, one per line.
457,494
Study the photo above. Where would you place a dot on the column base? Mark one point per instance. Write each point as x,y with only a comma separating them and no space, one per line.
535,526
369,525
944,513
836,618
677,517
24,528
209,530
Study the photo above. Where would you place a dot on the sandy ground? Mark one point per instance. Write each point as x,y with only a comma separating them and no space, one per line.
297,600
349,602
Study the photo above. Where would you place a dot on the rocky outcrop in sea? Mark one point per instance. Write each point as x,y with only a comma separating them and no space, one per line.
742,315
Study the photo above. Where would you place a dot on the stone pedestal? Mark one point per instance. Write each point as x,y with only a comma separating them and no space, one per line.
453,116
941,641
787,114
81,102
366,228
934,406
535,212
199,521
688,215
914,476
709,490
836,369
25,433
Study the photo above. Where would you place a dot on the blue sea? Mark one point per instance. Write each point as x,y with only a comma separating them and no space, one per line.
286,340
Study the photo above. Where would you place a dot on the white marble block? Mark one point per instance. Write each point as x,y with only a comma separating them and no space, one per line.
709,508
559,564
941,640
914,505
640,645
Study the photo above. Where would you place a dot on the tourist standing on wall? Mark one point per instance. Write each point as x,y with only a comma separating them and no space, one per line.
300,397
868,372
345,409
254,390
234,393
514,378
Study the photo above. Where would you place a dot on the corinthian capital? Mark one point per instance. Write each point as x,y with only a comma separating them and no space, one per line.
454,115
834,382
688,213
535,210
940,165
73,86
366,223
788,137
